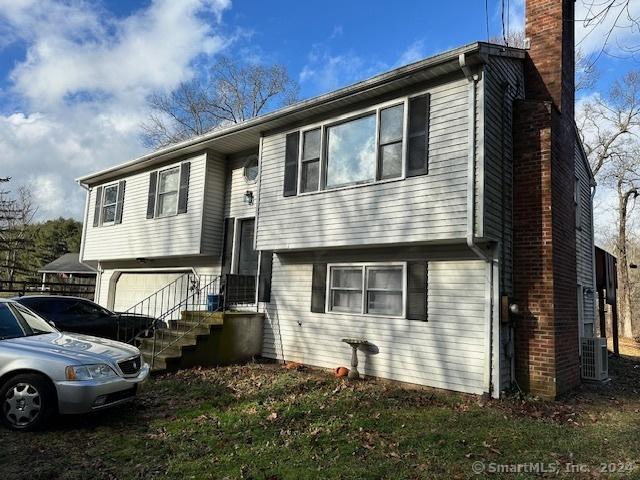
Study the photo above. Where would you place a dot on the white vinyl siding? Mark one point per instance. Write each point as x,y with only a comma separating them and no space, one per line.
213,214
418,209
448,351
140,237
236,187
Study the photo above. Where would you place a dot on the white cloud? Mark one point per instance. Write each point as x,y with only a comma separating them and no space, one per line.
413,53
83,83
593,25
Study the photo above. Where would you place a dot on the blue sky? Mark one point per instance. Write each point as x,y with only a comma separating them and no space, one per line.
74,74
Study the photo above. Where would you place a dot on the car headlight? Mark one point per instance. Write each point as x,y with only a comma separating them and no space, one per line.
90,372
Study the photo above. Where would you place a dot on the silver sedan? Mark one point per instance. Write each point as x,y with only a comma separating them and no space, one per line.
44,371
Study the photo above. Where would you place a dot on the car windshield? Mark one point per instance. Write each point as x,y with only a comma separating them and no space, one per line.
17,321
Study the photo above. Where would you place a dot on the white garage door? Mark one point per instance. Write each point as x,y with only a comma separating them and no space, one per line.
131,288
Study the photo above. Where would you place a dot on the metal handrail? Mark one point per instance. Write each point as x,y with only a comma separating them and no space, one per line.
157,305
212,287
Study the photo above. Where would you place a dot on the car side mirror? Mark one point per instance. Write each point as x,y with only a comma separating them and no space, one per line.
52,324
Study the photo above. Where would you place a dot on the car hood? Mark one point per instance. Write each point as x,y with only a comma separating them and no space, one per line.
82,349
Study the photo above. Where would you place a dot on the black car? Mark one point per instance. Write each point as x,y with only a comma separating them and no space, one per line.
79,315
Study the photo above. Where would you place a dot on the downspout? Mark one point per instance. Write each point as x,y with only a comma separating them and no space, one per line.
96,292
86,217
471,203
594,185
471,168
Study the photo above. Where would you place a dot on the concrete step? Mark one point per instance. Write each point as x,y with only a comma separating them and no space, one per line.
164,361
193,327
174,349
203,317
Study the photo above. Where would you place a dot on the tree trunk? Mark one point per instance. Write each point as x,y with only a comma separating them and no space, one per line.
625,308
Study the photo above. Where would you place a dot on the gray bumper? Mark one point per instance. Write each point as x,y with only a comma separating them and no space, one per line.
88,396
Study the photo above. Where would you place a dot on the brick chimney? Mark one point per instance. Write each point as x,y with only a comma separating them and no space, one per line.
545,283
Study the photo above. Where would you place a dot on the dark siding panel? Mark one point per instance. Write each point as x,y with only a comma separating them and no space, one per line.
319,287
96,211
264,285
120,203
151,199
418,152
227,246
183,194
417,291
291,165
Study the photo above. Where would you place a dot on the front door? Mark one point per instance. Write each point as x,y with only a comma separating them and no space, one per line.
247,257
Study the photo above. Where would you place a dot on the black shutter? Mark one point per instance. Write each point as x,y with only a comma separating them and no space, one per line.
183,194
417,291
96,211
151,200
291,165
227,245
418,152
319,287
120,203
264,284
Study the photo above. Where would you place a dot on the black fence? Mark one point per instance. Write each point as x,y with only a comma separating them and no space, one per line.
238,290
21,288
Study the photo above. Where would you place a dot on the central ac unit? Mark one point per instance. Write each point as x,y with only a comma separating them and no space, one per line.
595,359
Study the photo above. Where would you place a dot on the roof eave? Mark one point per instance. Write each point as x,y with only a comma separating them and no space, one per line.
196,143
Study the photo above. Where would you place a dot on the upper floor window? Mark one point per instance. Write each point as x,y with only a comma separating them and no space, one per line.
109,201
168,186
251,168
109,204
351,152
381,143
168,191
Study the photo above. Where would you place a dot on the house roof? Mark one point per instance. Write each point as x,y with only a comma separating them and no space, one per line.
67,263
246,135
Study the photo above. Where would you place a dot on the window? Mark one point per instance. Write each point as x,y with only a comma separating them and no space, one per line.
168,185
251,168
109,202
374,289
346,289
310,169
384,290
390,142
351,152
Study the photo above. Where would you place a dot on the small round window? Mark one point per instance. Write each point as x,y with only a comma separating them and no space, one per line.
251,168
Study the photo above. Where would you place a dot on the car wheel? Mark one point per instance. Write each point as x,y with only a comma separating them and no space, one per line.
26,402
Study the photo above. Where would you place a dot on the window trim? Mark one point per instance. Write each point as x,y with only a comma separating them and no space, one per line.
302,161
363,306
156,213
355,115
103,205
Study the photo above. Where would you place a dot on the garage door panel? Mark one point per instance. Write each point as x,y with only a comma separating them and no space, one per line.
131,288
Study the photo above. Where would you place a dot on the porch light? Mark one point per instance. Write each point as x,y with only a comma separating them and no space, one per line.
248,197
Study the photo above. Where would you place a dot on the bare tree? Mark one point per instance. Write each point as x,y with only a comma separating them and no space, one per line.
622,173
16,214
616,15
606,123
233,93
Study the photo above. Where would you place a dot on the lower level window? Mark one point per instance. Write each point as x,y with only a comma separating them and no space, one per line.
374,289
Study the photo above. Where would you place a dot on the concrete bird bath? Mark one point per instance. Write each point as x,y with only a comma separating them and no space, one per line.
355,344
